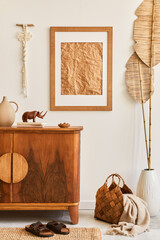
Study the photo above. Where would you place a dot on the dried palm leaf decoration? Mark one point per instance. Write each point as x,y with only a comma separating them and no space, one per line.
138,83
147,48
147,30
137,78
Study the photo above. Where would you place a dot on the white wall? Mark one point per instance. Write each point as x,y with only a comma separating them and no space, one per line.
111,141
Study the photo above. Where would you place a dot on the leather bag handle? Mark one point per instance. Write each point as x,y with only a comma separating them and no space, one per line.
115,175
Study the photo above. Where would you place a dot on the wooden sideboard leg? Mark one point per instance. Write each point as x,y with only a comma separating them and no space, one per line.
74,214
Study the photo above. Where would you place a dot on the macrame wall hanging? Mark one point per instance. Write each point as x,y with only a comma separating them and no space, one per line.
23,37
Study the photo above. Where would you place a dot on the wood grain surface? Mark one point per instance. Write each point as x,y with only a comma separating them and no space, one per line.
74,214
37,206
5,147
44,166
53,168
48,129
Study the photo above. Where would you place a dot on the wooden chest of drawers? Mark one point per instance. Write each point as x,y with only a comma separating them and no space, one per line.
40,169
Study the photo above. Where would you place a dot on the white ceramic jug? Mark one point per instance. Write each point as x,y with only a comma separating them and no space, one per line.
7,113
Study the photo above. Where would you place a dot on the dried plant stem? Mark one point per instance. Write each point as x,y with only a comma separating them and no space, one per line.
151,79
144,120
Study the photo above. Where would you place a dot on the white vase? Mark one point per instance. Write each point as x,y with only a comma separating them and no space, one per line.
148,189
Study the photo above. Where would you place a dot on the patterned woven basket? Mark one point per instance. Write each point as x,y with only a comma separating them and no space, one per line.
109,200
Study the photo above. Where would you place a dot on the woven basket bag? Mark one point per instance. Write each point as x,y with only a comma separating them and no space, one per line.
109,200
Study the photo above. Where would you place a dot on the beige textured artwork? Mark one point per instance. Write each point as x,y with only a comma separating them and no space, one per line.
81,68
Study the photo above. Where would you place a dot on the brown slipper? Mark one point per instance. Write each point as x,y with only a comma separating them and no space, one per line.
39,230
58,228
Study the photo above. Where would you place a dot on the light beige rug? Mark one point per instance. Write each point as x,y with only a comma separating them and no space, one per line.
75,234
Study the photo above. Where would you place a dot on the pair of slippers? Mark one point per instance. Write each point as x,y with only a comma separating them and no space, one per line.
48,230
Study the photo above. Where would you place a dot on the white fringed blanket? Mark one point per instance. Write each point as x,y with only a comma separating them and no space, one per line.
135,218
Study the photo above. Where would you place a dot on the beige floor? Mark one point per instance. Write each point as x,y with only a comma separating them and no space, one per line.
20,219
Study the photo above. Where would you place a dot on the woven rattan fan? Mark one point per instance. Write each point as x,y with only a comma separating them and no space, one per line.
139,73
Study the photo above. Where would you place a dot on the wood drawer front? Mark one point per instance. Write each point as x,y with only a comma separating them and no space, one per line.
53,168
5,147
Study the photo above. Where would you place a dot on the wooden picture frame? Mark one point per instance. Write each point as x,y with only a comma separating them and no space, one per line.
96,31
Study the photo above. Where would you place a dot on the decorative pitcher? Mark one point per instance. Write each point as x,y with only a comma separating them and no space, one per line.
7,113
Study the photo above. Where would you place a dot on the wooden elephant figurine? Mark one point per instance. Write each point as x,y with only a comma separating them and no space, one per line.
32,115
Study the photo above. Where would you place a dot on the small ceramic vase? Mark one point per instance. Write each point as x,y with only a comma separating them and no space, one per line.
7,113
148,189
